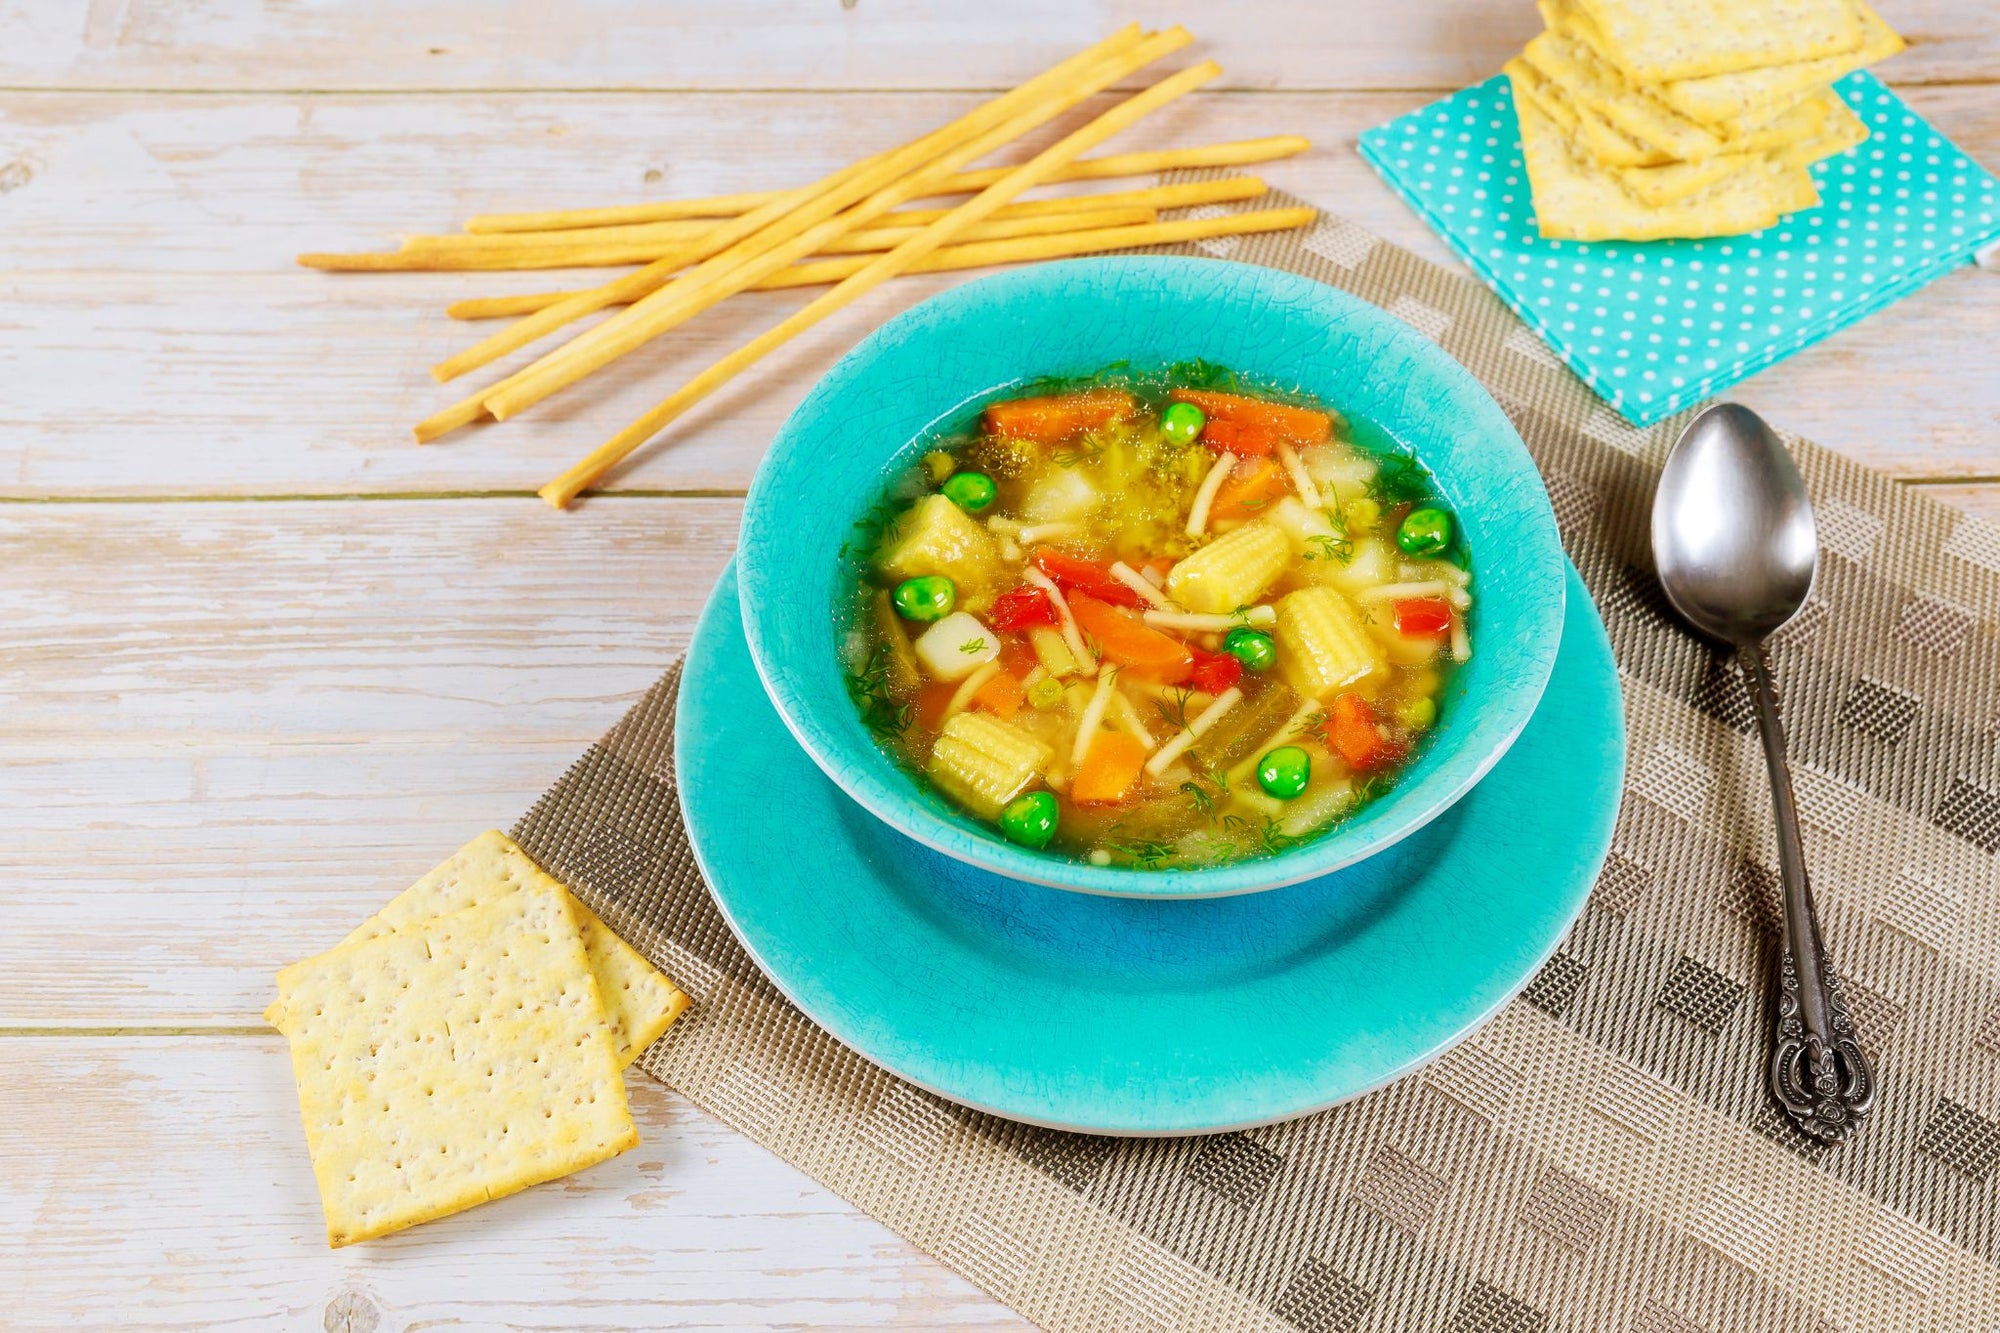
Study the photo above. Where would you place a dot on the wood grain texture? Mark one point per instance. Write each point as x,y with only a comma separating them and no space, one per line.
232,729
156,339
1981,500
236,729
873,44
182,1198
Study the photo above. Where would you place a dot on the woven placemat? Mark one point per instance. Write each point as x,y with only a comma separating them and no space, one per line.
1602,1156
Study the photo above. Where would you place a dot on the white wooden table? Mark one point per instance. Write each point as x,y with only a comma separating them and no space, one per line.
262,661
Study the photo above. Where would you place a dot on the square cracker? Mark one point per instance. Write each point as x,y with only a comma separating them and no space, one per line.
1575,199
1656,187
1597,139
1654,41
1832,130
639,1002
1746,97
1598,87
1839,130
458,1061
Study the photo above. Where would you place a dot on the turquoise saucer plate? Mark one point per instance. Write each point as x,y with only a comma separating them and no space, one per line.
1133,1015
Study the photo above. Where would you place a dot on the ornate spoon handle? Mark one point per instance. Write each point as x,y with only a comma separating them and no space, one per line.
1818,1072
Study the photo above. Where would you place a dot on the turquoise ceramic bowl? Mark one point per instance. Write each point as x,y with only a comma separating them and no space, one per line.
933,367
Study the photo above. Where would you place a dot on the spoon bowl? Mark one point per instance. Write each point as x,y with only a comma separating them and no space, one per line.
1733,529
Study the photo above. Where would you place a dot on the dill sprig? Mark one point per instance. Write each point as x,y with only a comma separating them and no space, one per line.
881,712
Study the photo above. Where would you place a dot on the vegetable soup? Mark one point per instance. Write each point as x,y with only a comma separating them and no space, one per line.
1154,622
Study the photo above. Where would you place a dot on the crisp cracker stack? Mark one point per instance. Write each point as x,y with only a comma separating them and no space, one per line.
465,1042
1646,119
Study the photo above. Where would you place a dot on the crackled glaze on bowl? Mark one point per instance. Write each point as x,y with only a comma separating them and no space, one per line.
935,364
1129,1016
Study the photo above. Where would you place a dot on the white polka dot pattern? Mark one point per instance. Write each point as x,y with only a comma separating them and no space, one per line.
1657,326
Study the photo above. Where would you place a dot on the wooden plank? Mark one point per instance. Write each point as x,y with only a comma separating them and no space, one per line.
234,729
767,43
1980,500
142,628
172,1190
156,340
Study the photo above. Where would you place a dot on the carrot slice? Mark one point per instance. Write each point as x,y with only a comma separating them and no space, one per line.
1055,419
1130,642
1300,425
1245,439
1354,733
1109,770
1251,487
1001,695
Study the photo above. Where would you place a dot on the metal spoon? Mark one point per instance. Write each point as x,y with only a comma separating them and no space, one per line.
1737,550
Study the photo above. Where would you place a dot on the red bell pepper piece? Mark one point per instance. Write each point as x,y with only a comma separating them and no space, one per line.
1075,574
1213,672
1423,616
1022,608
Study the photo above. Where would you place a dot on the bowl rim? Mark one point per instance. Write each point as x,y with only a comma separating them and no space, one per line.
881,786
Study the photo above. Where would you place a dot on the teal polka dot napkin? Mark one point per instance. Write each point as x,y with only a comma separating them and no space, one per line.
1656,326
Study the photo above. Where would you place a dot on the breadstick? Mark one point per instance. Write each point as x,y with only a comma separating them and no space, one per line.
593,255
1242,152
1226,190
1019,180
979,255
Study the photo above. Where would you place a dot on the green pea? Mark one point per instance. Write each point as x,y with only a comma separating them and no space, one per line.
1425,531
1030,820
970,491
931,597
1182,422
1285,771
1045,694
1253,648
1418,713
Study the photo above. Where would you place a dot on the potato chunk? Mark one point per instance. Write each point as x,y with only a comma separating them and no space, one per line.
935,536
956,646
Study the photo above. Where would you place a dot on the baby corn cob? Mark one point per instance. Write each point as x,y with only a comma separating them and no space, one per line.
1231,571
1322,644
983,763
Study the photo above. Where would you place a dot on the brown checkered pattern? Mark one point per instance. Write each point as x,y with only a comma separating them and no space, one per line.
1602,1156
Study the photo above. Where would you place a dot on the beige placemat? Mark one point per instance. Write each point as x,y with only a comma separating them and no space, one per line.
1602,1156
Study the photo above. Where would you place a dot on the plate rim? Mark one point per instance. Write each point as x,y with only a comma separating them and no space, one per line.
716,606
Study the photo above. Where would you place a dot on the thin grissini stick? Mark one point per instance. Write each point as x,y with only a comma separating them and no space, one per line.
1225,190
1228,189
694,292
852,186
984,254
1030,249
879,270
694,229
593,255
874,239
1238,153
